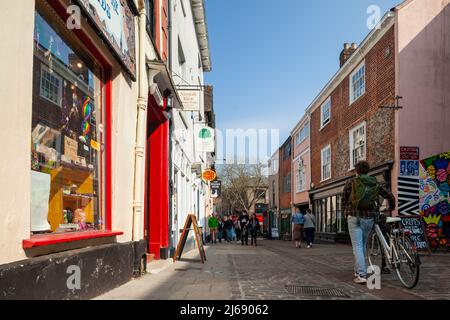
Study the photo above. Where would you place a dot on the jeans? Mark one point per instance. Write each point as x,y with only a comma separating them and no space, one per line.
359,230
229,235
309,232
219,235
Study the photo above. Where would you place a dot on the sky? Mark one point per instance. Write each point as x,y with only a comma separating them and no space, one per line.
271,58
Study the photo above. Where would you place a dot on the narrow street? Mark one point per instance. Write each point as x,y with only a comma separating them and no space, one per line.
268,271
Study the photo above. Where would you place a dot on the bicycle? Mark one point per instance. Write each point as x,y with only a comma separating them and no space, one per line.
400,253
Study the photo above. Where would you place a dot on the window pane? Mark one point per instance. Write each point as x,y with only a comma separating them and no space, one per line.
66,150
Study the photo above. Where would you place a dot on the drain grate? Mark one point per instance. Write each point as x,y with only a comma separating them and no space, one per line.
316,291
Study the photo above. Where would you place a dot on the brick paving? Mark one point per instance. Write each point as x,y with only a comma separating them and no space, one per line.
238,273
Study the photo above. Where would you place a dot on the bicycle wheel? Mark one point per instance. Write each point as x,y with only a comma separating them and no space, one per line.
408,265
374,250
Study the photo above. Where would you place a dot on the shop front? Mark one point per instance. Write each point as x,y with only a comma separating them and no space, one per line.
72,220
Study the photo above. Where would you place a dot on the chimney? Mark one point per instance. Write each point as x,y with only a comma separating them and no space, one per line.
346,53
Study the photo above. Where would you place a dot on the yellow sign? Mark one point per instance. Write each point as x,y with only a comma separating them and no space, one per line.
209,175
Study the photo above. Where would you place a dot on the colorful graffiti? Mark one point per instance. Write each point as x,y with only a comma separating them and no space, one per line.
434,180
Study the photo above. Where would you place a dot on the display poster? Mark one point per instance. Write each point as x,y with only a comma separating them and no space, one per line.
71,149
40,194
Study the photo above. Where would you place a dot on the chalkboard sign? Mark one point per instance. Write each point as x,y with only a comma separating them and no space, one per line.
191,220
415,226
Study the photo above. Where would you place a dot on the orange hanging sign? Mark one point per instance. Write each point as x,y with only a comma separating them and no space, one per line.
209,175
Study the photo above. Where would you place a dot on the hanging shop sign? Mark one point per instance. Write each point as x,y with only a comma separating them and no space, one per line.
205,139
115,20
190,99
209,175
216,188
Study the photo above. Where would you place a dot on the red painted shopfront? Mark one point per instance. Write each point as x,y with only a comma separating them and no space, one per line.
156,182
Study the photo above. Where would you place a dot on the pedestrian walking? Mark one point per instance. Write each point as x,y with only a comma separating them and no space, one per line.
213,224
237,229
228,227
243,220
310,227
254,227
220,230
361,204
298,220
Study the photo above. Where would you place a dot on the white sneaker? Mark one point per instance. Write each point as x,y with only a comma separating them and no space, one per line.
308,246
360,280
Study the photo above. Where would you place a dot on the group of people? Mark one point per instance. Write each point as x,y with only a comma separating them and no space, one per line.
230,230
303,222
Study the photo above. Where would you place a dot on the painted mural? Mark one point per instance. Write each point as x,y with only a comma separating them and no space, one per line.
434,179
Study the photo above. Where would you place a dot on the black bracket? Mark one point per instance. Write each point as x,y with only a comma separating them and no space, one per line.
396,106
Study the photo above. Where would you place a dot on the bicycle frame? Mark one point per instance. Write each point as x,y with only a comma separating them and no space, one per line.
390,251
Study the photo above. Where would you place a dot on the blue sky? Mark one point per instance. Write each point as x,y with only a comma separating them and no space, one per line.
271,58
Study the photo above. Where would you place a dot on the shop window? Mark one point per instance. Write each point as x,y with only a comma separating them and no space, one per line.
67,150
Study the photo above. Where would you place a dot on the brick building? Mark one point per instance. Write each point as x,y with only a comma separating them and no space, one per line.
347,125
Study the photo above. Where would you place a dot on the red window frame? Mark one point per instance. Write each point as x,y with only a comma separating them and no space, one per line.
44,240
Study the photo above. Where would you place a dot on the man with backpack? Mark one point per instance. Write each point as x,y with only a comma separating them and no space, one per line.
360,200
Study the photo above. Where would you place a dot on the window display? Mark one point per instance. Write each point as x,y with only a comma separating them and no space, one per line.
67,137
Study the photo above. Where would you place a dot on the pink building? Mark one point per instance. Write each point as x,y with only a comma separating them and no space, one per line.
301,168
422,33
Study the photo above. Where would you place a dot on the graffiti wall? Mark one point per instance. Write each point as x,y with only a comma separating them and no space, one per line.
434,180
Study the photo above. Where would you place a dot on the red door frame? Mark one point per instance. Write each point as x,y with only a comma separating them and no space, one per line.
156,207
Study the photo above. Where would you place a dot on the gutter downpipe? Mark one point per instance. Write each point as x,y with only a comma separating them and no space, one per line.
142,102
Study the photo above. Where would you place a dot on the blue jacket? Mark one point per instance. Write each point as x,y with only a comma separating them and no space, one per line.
298,218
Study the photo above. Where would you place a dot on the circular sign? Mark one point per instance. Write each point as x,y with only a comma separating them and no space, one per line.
209,175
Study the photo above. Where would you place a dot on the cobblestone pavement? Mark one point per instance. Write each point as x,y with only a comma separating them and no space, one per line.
269,270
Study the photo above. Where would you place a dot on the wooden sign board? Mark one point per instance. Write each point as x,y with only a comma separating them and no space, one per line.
190,221
418,236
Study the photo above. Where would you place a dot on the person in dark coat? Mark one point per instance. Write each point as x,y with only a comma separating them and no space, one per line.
254,227
244,219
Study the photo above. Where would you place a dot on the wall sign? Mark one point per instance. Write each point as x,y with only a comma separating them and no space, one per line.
409,168
410,153
115,20
408,196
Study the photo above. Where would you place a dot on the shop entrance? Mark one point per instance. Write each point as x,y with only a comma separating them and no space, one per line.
156,181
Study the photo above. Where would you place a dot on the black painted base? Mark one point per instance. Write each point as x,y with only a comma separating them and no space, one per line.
55,276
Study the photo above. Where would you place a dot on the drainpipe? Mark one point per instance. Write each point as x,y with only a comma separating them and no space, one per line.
142,101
